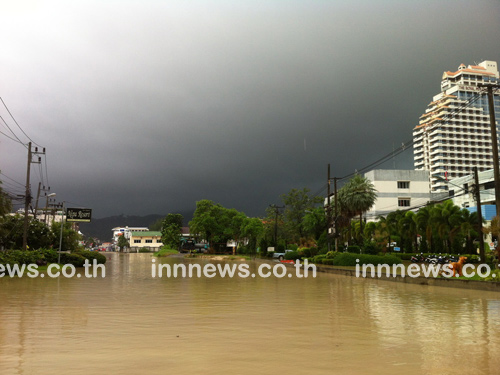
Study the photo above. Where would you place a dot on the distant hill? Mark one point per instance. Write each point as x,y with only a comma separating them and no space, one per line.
101,228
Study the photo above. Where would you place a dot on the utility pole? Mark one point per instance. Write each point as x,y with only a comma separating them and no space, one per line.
477,197
37,198
276,211
27,200
27,197
328,213
336,214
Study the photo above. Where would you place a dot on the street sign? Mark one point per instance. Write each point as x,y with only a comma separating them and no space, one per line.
78,215
397,249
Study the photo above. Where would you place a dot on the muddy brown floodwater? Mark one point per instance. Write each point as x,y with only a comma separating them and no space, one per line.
131,323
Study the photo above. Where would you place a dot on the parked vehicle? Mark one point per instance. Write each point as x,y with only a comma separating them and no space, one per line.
281,256
418,258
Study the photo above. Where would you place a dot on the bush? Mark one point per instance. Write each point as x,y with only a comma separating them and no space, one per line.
292,255
305,252
353,249
370,247
293,247
76,260
328,262
348,259
91,255
318,258
280,248
403,256
332,254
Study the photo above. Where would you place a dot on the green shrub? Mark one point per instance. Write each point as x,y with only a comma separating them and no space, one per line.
280,248
91,255
292,255
403,256
332,254
305,252
76,260
293,247
348,259
370,247
353,249
327,261
318,258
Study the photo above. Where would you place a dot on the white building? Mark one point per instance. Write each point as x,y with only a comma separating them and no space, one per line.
454,135
126,232
398,190
462,193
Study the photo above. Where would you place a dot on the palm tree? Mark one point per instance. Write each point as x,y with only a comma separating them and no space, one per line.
357,197
445,218
408,227
424,224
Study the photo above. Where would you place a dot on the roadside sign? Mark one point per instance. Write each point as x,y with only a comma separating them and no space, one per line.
397,249
78,215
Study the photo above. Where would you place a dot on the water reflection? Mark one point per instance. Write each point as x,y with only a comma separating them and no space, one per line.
131,323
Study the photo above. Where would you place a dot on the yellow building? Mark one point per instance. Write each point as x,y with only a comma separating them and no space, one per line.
150,240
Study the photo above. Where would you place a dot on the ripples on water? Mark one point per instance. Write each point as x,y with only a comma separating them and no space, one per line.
130,323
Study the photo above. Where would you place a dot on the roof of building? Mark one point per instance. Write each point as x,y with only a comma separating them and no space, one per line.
146,234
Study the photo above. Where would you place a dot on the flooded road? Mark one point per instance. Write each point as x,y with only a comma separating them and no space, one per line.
131,323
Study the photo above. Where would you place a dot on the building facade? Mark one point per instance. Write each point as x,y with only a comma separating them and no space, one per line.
145,239
454,135
398,190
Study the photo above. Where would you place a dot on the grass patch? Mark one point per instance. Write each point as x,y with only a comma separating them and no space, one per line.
165,252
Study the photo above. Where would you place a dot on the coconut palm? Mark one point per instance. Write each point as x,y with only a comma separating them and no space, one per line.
357,197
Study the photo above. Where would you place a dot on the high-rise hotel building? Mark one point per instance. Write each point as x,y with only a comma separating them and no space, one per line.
452,137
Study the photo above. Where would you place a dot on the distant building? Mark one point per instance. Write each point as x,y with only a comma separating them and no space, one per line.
126,232
398,190
462,193
145,239
454,135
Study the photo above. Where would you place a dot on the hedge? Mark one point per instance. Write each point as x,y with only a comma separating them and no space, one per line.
349,259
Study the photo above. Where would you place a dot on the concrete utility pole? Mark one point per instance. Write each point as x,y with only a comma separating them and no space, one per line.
276,211
27,200
477,197
328,213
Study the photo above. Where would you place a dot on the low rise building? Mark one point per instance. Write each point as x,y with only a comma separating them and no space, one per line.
150,240
398,190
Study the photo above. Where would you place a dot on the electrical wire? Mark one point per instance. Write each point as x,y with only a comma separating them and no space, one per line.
32,141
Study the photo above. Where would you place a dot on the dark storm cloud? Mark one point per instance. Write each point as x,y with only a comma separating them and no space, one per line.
147,107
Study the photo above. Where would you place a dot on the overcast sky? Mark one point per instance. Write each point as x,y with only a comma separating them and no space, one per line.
148,106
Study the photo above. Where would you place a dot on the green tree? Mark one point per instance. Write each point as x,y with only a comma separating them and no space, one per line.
212,222
5,202
171,230
298,202
122,243
314,223
252,230
356,197
70,237
39,234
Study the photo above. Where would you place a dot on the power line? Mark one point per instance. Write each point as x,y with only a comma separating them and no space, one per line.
17,182
407,145
8,127
17,123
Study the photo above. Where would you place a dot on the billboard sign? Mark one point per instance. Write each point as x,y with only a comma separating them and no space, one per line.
78,215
